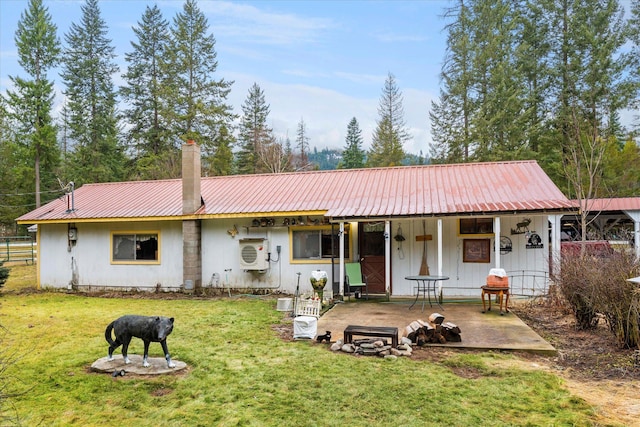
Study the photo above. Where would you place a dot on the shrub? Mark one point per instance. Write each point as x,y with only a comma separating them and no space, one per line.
4,274
577,283
593,284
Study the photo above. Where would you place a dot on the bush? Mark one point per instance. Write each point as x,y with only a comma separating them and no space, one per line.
596,285
577,282
4,274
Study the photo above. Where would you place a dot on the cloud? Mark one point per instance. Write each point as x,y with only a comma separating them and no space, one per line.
362,78
249,24
399,38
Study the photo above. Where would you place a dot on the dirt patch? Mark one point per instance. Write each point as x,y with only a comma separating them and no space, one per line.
161,392
592,364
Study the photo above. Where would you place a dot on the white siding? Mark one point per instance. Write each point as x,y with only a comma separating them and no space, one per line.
464,278
220,251
91,258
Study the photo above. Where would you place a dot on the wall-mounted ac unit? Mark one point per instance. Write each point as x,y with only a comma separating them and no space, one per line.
254,254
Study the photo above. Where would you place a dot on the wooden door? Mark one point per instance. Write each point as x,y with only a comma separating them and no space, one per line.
371,247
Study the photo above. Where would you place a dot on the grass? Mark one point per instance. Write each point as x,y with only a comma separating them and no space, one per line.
242,374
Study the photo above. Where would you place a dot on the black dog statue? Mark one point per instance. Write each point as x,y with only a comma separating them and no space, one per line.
148,329
326,336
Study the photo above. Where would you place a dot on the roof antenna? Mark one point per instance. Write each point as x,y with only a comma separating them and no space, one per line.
70,197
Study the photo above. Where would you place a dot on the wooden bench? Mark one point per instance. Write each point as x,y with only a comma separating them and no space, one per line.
371,331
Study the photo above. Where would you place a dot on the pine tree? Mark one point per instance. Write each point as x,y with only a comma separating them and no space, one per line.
254,133
87,74
593,87
221,162
157,155
302,144
634,28
38,51
451,114
353,154
387,148
500,117
532,56
197,109
14,172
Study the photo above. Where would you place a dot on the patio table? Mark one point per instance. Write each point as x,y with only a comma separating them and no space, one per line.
425,285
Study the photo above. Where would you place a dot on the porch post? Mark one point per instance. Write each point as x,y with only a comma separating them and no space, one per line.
387,258
440,248
635,216
341,268
496,240
556,237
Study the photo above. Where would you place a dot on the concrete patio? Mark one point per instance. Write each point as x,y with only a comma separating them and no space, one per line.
488,331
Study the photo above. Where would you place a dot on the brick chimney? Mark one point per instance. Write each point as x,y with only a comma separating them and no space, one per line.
191,229
190,177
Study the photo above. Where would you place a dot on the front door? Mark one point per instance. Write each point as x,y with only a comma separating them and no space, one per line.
371,246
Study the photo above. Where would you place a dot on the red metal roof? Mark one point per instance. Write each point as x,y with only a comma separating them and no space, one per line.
613,204
434,190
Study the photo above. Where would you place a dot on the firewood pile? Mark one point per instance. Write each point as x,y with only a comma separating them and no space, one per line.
435,331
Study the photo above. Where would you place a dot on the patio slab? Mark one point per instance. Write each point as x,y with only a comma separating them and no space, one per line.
488,331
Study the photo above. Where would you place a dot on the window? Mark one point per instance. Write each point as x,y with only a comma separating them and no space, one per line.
476,226
136,247
317,243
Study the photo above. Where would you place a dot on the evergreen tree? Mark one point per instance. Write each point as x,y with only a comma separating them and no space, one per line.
38,51
87,74
532,79
499,118
302,144
451,114
11,179
326,159
157,155
634,31
532,54
197,108
353,155
221,162
391,133
254,134
592,87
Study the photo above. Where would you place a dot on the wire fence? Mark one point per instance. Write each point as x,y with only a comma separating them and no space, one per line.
18,248
528,283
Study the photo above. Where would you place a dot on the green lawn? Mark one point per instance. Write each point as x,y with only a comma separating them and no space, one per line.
241,373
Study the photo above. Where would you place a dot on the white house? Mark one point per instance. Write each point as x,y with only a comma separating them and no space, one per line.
259,231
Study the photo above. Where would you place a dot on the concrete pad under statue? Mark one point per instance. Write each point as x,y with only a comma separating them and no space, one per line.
158,365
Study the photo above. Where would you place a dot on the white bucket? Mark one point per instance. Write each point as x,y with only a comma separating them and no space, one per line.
285,304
